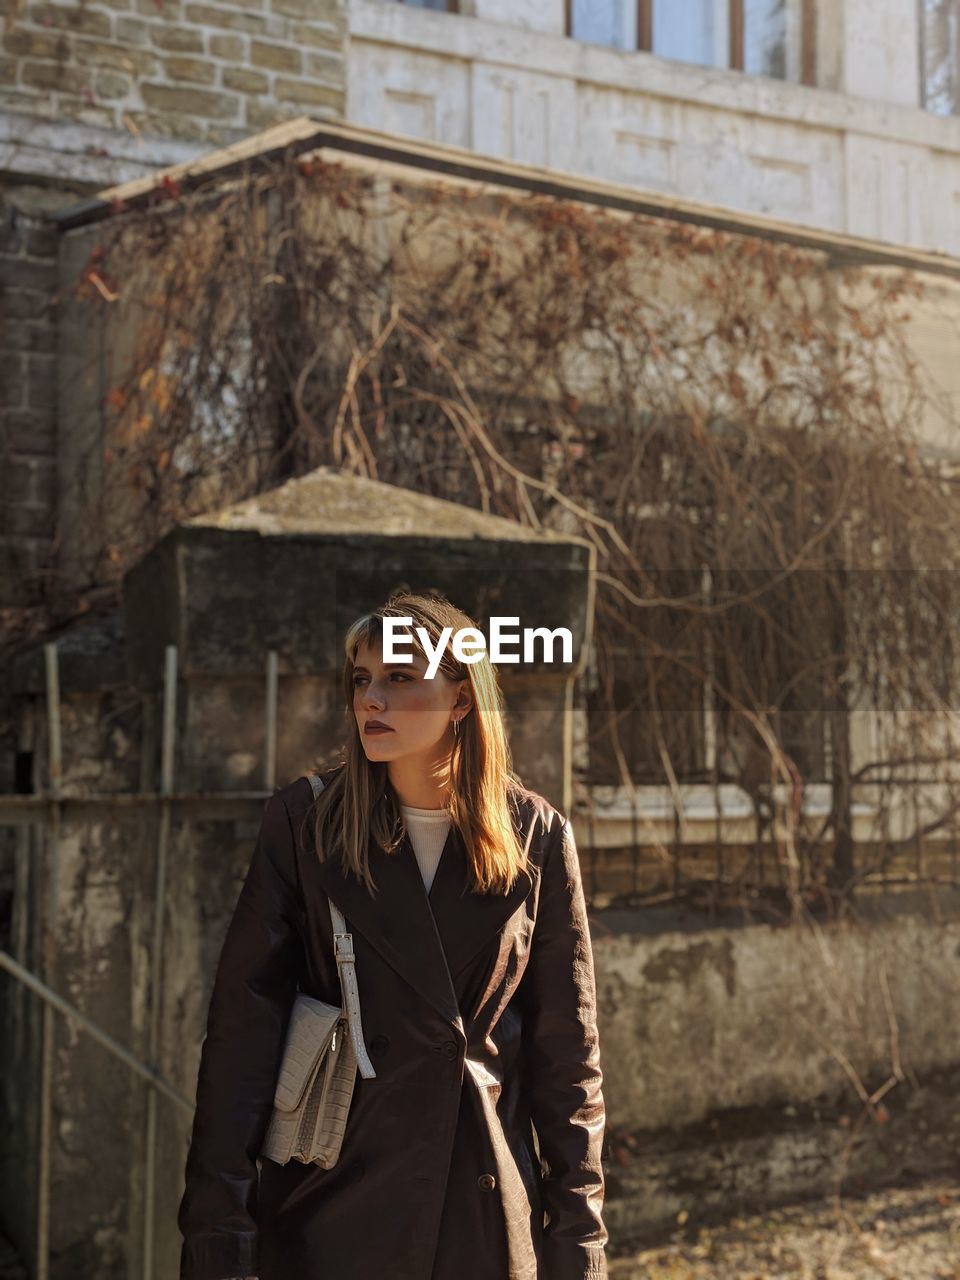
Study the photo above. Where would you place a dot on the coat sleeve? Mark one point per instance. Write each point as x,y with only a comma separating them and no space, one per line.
562,1076
253,993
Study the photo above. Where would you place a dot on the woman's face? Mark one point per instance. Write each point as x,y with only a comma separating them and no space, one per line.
418,712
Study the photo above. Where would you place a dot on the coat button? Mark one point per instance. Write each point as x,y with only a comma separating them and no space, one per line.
379,1045
486,1182
449,1048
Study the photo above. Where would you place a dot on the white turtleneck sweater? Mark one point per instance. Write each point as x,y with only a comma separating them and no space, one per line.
428,830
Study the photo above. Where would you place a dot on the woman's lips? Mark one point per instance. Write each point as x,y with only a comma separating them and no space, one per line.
378,728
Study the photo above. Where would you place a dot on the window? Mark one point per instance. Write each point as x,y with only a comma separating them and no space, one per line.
762,37
444,6
940,56
648,708
644,708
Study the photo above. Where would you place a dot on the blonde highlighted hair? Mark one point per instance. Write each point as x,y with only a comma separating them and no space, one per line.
359,800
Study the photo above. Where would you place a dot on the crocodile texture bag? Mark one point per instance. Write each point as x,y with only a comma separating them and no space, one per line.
323,1049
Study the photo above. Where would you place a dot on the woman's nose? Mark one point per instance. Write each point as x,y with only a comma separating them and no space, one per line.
372,697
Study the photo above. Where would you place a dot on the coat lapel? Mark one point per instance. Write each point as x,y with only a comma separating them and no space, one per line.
427,940
466,921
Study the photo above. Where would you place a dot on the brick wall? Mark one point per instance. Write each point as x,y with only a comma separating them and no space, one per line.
189,69
28,431
198,72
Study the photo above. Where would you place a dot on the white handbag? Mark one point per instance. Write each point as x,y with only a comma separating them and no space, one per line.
323,1049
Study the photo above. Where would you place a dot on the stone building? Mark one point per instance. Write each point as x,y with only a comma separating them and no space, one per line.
838,115
835,117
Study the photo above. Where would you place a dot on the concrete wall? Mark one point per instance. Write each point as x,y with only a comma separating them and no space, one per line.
855,153
736,1059
708,1020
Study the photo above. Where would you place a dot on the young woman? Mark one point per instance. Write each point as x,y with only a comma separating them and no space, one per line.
474,965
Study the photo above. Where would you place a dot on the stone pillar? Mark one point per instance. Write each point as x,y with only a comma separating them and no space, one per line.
291,569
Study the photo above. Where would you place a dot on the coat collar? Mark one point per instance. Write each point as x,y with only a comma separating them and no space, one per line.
427,939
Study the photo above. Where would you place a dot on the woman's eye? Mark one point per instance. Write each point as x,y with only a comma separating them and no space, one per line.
400,675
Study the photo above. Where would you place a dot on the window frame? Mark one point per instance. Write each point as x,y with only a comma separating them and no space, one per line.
707,730
736,35
922,68
453,6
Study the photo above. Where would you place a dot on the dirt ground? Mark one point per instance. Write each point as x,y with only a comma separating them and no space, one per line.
895,1234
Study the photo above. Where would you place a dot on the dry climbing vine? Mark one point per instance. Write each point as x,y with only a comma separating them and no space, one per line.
730,421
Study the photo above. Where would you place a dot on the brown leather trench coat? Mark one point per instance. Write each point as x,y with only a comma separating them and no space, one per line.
479,1014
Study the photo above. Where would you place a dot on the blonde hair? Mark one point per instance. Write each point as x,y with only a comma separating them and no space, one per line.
359,800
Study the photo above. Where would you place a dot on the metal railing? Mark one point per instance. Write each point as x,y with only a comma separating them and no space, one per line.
20,809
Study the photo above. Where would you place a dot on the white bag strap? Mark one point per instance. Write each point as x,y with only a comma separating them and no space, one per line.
343,951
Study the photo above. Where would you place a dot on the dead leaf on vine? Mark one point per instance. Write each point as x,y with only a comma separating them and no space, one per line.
161,394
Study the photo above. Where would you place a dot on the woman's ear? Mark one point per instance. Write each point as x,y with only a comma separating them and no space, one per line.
464,698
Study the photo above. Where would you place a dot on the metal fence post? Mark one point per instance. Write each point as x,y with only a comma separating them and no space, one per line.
55,767
156,960
270,753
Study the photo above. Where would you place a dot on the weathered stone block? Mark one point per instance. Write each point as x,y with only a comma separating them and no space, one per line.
13,380
169,10
317,35
244,80
169,126
72,18
177,39
131,30
194,70
115,56
41,337
261,115
111,84
20,273
308,93
277,57
219,135
325,65
26,431
26,43
22,304
40,239
79,109
28,522
22,480
232,48
294,8
206,16
190,102
53,76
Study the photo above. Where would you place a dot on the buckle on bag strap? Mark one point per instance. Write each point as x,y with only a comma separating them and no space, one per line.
343,946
